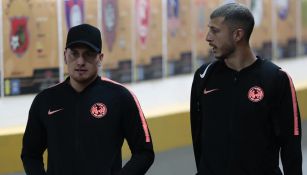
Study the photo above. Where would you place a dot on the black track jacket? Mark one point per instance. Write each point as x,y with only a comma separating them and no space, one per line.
242,121
84,132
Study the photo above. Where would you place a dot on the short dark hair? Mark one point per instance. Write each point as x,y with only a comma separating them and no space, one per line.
236,15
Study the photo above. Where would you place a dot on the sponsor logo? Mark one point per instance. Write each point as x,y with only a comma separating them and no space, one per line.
50,112
209,91
202,75
255,94
19,35
98,110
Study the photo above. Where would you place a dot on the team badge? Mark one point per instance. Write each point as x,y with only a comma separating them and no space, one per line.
74,11
98,110
142,17
255,94
109,21
173,16
19,36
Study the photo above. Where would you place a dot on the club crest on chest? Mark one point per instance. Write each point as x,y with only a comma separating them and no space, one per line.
98,110
255,94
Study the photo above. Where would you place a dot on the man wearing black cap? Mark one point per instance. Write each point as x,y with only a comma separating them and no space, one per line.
83,121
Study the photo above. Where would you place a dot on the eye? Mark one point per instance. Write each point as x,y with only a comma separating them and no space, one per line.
74,53
214,30
90,54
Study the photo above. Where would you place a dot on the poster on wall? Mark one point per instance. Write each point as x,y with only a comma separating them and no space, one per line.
256,7
173,17
304,26
262,11
228,1
30,48
282,7
75,12
116,25
179,34
148,46
201,17
142,20
109,22
286,28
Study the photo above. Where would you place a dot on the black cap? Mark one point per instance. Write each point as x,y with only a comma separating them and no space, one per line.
84,34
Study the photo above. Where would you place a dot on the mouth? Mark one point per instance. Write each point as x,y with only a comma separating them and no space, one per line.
213,47
80,71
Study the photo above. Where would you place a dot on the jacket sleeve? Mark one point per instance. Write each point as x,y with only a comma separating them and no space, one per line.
195,118
289,126
34,143
137,134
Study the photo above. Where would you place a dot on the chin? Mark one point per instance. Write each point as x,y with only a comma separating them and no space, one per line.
81,79
220,57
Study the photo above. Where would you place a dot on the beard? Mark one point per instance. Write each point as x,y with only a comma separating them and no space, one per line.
225,52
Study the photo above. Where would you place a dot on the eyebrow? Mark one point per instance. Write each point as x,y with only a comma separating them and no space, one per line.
213,27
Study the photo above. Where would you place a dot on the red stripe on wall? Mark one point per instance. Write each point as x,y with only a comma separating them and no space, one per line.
144,124
294,103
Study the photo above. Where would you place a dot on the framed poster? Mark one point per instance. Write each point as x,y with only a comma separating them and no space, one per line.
117,44
179,38
285,15
30,55
148,33
75,12
304,26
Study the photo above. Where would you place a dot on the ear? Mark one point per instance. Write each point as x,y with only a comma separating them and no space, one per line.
100,58
238,34
65,59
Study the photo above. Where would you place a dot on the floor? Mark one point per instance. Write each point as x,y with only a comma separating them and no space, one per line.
180,161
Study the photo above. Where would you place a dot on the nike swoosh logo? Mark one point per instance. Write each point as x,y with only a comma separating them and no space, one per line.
202,75
209,91
54,111
205,71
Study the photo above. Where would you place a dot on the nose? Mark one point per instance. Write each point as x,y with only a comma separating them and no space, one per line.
80,60
209,37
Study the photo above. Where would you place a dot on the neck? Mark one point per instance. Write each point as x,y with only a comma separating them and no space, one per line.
80,86
241,58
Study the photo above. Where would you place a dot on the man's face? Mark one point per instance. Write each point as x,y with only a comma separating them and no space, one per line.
220,38
82,63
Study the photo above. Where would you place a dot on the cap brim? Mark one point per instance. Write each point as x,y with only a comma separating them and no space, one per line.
85,43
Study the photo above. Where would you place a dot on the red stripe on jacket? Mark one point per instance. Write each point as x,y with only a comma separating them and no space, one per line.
144,124
294,103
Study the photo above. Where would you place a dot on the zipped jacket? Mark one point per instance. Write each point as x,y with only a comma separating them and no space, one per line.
83,133
242,122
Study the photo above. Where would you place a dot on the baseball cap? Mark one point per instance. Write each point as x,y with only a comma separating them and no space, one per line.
84,34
